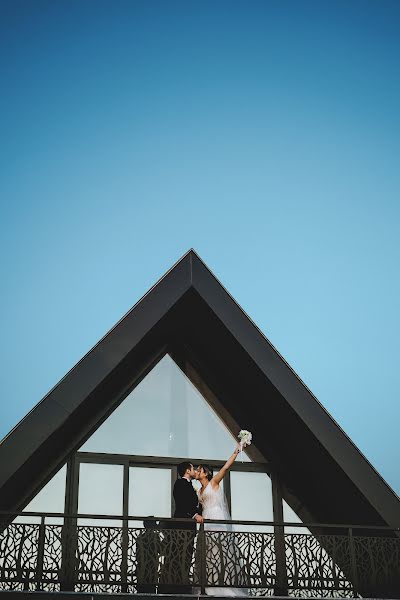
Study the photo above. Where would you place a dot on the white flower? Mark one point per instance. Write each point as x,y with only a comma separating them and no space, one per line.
245,437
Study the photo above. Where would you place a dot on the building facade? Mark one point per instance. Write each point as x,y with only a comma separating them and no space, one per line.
92,467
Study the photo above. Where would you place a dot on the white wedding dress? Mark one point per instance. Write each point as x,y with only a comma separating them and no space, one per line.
224,564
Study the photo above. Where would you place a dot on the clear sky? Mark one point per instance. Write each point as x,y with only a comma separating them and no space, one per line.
264,134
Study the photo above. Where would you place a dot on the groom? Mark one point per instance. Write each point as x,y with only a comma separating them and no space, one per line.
186,500
179,546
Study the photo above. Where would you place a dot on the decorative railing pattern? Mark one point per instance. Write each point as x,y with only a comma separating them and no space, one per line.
378,560
313,565
19,555
30,557
240,559
98,558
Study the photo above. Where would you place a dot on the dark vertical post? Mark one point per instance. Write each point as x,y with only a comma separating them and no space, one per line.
40,554
69,538
202,544
174,477
227,491
125,534
281,583
353,562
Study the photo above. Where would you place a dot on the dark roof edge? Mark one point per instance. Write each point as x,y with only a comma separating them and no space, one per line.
60,401
274,366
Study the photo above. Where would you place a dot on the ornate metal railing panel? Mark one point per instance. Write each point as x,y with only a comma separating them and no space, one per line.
377,560
96,558
313,565
30,557
99,559
49,566
240,559
19,556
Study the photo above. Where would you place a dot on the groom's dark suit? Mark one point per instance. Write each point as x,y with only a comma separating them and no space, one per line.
186,503
180,541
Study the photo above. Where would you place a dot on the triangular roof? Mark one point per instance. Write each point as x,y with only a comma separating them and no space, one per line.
189,313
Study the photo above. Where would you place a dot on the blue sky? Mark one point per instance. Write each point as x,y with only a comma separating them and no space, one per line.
263,134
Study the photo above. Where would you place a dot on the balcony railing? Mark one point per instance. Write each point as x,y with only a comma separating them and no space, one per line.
260,558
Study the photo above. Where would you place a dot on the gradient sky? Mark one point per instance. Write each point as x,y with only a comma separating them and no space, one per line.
264,134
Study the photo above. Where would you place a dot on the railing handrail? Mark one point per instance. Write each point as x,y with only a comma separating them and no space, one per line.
54,515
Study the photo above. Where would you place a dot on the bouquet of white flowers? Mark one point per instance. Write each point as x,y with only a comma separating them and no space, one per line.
245,438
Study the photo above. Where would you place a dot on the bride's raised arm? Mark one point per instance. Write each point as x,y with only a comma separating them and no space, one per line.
221,474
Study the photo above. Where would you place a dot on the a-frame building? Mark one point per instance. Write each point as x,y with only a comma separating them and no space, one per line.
189,324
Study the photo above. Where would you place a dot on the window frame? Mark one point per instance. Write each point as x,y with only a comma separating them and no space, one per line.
163,462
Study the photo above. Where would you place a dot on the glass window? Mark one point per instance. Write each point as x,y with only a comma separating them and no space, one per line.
290,516
100,492
51,498
165,415
149,492
251,499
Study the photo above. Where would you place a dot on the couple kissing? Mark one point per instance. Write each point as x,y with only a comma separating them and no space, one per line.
208,503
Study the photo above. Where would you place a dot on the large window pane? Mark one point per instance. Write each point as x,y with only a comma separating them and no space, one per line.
51,498
149,492
289,516
251,496
100,492
164,415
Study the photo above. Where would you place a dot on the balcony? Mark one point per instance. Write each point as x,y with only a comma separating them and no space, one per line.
259,558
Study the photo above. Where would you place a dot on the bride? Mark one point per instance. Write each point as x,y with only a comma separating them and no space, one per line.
224,565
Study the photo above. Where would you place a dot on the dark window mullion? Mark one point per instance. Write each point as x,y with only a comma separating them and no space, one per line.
125,541
174,477
125,490
227,491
